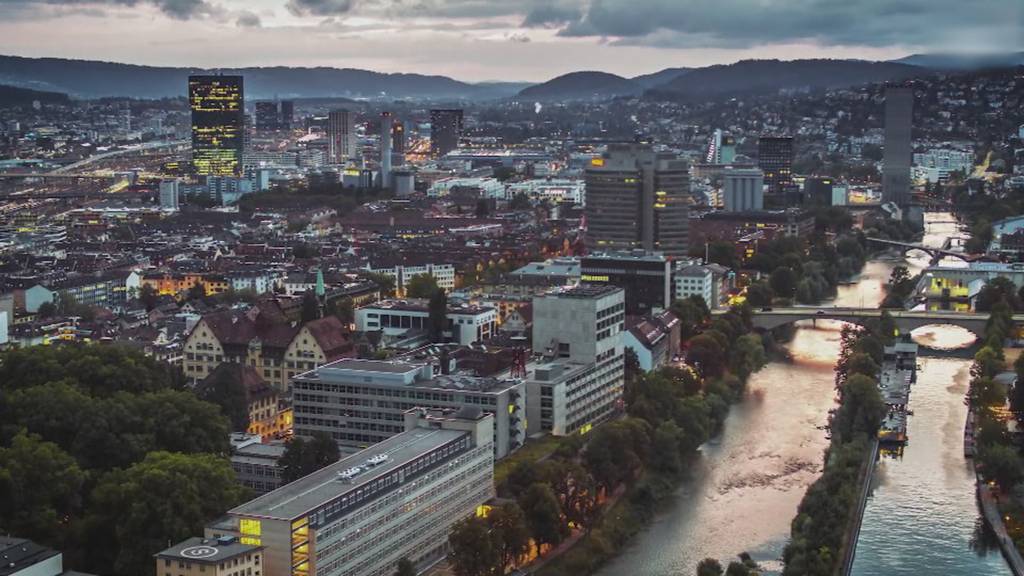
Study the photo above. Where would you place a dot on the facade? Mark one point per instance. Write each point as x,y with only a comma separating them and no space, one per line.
361,402
445,131
743,189
268,117
645,277
261,399
386,124
899,112
277,348
361,515
466,323
695,280
775,159
256,466
578,380
654,339
218,124
169,194
637,199
444,275
731,226
224,556
342,142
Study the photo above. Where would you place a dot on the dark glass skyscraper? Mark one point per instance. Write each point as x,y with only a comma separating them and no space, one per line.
445,131
638,199
775,159
218,124
287,114
899,111
267,116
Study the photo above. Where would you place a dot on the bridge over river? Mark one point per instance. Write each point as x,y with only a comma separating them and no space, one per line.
905,320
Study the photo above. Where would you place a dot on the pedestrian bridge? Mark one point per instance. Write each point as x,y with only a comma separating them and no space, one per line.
905,320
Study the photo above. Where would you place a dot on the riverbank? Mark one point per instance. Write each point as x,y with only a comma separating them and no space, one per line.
849,548
994,519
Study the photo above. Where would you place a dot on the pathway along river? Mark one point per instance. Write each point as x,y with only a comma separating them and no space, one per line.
744,492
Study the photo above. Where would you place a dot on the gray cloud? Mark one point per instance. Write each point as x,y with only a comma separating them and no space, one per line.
319,7
747,23
552,15
518,37
247,19
177,9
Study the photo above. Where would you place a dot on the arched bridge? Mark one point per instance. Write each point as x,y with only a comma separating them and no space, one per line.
935,253
905,320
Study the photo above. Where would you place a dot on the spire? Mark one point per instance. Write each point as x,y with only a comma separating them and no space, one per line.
320,283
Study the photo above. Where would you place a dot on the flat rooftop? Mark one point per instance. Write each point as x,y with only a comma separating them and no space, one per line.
305,494
208,550
584,291
423,306
17,554
341,370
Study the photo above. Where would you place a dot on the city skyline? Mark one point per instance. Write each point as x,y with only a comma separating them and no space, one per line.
483,40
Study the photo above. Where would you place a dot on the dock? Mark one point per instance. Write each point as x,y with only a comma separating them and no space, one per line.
898,374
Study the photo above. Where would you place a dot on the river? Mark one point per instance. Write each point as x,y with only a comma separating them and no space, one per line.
744,491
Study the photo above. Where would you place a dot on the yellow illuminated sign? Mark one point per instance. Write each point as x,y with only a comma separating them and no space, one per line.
585,428
483,511
594,278
597,161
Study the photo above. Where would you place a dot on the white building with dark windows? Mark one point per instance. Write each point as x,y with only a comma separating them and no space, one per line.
444,274
577,379
467,323
362,402
361,515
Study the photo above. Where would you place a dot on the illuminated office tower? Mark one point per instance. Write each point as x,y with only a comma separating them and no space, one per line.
638,199
386,122
775,159
341,136
267,116
445,131
218,124
899,110
398,142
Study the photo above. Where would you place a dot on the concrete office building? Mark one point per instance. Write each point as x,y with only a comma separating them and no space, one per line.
361,402
361,515
217,104
466,323
775,159
645,277
342,143
743,189
445,131
169,194
578,380
899,112
637,199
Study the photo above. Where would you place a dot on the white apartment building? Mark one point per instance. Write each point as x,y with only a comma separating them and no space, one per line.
362,402
694,280
361,515
488,187
444,274
467,323
578,380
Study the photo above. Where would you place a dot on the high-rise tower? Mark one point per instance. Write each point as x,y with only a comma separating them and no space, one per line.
445,131
899,111
218,124
386,122
341,136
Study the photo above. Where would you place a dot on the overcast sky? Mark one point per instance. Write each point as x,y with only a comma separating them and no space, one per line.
478,40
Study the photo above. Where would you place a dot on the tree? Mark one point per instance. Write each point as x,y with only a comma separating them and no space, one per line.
997,289
748,356
182,491
472,550
666,446
302,457
709,567
543,514
737,569
148,296
862,408
760,294
692,313
1003,464
510,535
384,281
437,315
343,309
1017,399
707,354
310,307
898,276
40,487
225,388
783,281
405,567
724,253
859,363
987,363
421,286
47,310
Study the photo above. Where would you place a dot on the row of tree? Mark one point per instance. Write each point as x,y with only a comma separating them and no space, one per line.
106,456
823,517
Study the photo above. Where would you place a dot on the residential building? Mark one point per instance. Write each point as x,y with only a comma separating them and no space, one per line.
278,348
481,187
444,274
169,194
899,112
775,159
261,398
637,198
654,339
361,402
218,124
342,141
695,280
577,382
645,277
224,556
445,131
731,226
743,189
361,515
466,323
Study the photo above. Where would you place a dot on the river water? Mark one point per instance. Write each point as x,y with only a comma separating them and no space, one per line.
744,491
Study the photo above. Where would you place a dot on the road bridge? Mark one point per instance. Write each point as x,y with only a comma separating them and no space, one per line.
905,320
936,253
